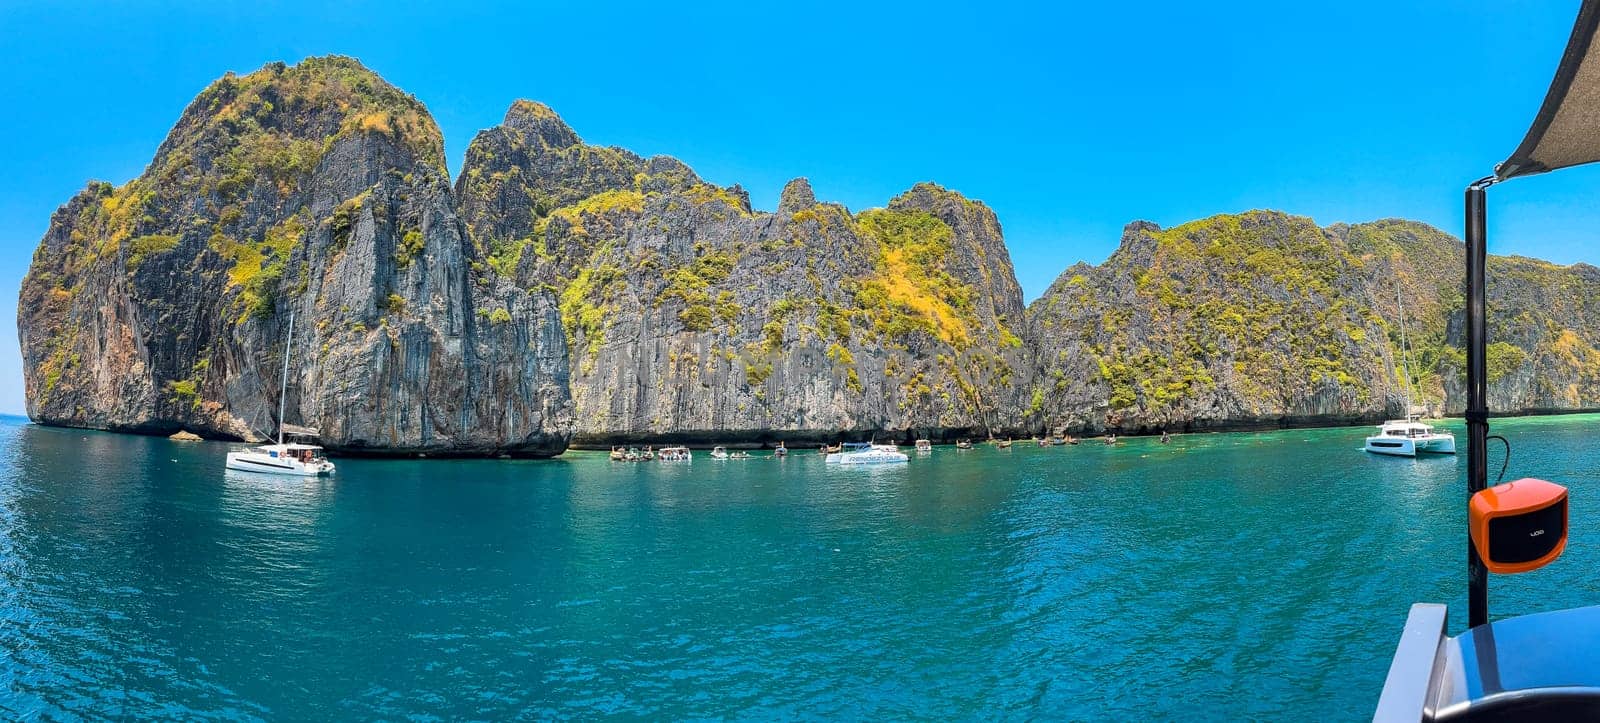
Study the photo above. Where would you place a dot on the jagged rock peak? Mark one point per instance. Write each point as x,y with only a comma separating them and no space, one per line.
950,206
317,99
538,120
669,166
797,196
927,195
742,196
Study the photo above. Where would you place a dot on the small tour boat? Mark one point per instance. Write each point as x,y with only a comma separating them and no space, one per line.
963,444
1409,438
826,450
675,454
924,446
1111,439
739,454
288,459
719,452
874,454
780,451
847,448
618,454
1165,438
1002,443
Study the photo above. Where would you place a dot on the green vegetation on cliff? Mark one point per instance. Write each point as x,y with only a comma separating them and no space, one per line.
236,142
692,284
651,261
912,292
1262,315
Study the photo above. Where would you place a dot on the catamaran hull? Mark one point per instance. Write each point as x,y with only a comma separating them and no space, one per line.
263,464
1392,447
1401,447
1437,446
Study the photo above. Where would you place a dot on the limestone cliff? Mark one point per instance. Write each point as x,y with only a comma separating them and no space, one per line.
689,315
1264,319
317,190
441,318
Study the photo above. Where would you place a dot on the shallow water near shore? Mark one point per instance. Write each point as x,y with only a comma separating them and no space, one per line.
1220,576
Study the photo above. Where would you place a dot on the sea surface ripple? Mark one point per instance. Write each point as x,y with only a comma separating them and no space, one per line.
1223,576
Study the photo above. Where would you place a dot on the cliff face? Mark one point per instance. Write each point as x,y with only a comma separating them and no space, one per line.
1264,319
1233,318
316,190
442,320
1544,326
689,315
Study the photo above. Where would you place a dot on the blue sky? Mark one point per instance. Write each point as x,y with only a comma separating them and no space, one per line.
1069,121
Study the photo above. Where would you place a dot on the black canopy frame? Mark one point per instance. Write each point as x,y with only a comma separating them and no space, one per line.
1560,136
1477,413
1565,133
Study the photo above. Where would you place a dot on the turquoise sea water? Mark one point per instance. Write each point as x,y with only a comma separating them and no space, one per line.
1222,576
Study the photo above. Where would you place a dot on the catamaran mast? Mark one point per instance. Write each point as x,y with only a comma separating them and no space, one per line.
283,391
1405,363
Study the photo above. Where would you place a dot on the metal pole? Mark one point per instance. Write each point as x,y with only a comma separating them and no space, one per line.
1477,406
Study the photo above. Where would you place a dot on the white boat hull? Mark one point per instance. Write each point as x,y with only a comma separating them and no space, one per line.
873,457
267,464
1411,446
1391,447
1437,445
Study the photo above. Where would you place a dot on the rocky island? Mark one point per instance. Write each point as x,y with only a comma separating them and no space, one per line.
557,292
163,304
690,316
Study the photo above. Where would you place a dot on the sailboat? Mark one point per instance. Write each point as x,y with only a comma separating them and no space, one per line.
1543,666
1410,436
302,460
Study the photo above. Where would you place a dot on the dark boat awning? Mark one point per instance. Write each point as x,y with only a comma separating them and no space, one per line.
1567,130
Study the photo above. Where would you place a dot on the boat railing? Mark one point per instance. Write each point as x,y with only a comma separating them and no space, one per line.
1410,686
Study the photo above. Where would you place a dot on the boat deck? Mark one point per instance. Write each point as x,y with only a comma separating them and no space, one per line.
1532,667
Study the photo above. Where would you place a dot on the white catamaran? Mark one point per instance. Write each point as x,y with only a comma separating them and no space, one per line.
1410,436
303,460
